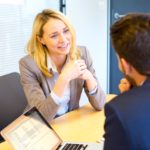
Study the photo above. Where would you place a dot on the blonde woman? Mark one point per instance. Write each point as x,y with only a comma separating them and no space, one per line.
55,71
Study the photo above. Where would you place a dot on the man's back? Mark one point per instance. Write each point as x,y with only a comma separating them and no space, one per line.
127,123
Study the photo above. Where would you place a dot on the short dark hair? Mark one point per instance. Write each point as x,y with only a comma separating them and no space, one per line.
131,40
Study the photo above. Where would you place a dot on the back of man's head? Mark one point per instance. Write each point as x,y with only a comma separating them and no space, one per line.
131,40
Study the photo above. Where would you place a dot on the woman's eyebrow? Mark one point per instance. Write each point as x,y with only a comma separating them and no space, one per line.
53,33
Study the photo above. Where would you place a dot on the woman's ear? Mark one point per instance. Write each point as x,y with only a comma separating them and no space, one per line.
40,39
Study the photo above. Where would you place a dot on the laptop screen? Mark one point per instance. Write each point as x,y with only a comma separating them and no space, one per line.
30,131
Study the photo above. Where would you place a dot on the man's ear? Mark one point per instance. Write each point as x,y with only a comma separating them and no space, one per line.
126,66
40,39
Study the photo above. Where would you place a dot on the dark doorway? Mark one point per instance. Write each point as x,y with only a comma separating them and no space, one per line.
119,8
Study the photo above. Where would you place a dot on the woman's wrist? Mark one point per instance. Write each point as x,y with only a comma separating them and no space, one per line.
60,85
64,78
91,83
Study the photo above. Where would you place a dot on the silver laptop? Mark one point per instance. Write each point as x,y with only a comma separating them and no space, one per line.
32,132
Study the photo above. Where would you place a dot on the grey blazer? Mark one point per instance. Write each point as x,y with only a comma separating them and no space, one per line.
37,87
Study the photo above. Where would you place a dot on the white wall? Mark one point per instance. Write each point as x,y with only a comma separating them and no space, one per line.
89,18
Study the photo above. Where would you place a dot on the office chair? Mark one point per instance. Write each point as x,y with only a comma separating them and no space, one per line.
12,99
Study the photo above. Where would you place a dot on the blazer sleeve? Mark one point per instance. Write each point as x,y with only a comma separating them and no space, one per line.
115,135
33,82
97,99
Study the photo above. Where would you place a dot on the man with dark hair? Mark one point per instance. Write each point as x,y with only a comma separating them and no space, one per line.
127,125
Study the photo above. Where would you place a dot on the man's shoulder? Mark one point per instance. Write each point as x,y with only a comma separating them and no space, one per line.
130,99
121,98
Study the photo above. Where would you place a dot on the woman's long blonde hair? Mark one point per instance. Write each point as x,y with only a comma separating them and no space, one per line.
37,50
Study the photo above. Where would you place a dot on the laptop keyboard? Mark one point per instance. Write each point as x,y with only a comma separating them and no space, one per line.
70,146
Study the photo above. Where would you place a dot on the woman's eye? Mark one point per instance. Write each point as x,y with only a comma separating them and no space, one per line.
53,36
66,30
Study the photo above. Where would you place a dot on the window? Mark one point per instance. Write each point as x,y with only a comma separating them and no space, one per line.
15,28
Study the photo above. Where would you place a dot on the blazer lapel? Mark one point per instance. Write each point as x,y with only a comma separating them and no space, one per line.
50,83
73,90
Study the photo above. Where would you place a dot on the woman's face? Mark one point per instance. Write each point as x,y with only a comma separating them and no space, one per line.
56,37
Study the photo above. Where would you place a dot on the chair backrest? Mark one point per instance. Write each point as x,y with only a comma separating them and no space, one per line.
12,99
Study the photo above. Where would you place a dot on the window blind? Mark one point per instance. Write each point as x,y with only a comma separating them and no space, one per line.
15,29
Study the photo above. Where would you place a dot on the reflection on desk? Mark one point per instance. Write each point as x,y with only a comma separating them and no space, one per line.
84,124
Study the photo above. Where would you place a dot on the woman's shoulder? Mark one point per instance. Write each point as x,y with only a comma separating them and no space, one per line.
29,63
84,52
82,48
26,59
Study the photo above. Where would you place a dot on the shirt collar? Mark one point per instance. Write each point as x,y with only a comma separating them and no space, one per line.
147,80
51,66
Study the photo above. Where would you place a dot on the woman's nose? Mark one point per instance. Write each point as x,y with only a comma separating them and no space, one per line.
62,38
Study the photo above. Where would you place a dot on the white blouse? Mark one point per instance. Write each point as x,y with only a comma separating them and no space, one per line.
63,101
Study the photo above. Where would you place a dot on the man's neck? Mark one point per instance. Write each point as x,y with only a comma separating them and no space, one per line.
140,79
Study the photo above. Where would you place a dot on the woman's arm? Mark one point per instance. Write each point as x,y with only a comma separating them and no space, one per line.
98,98
36,88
